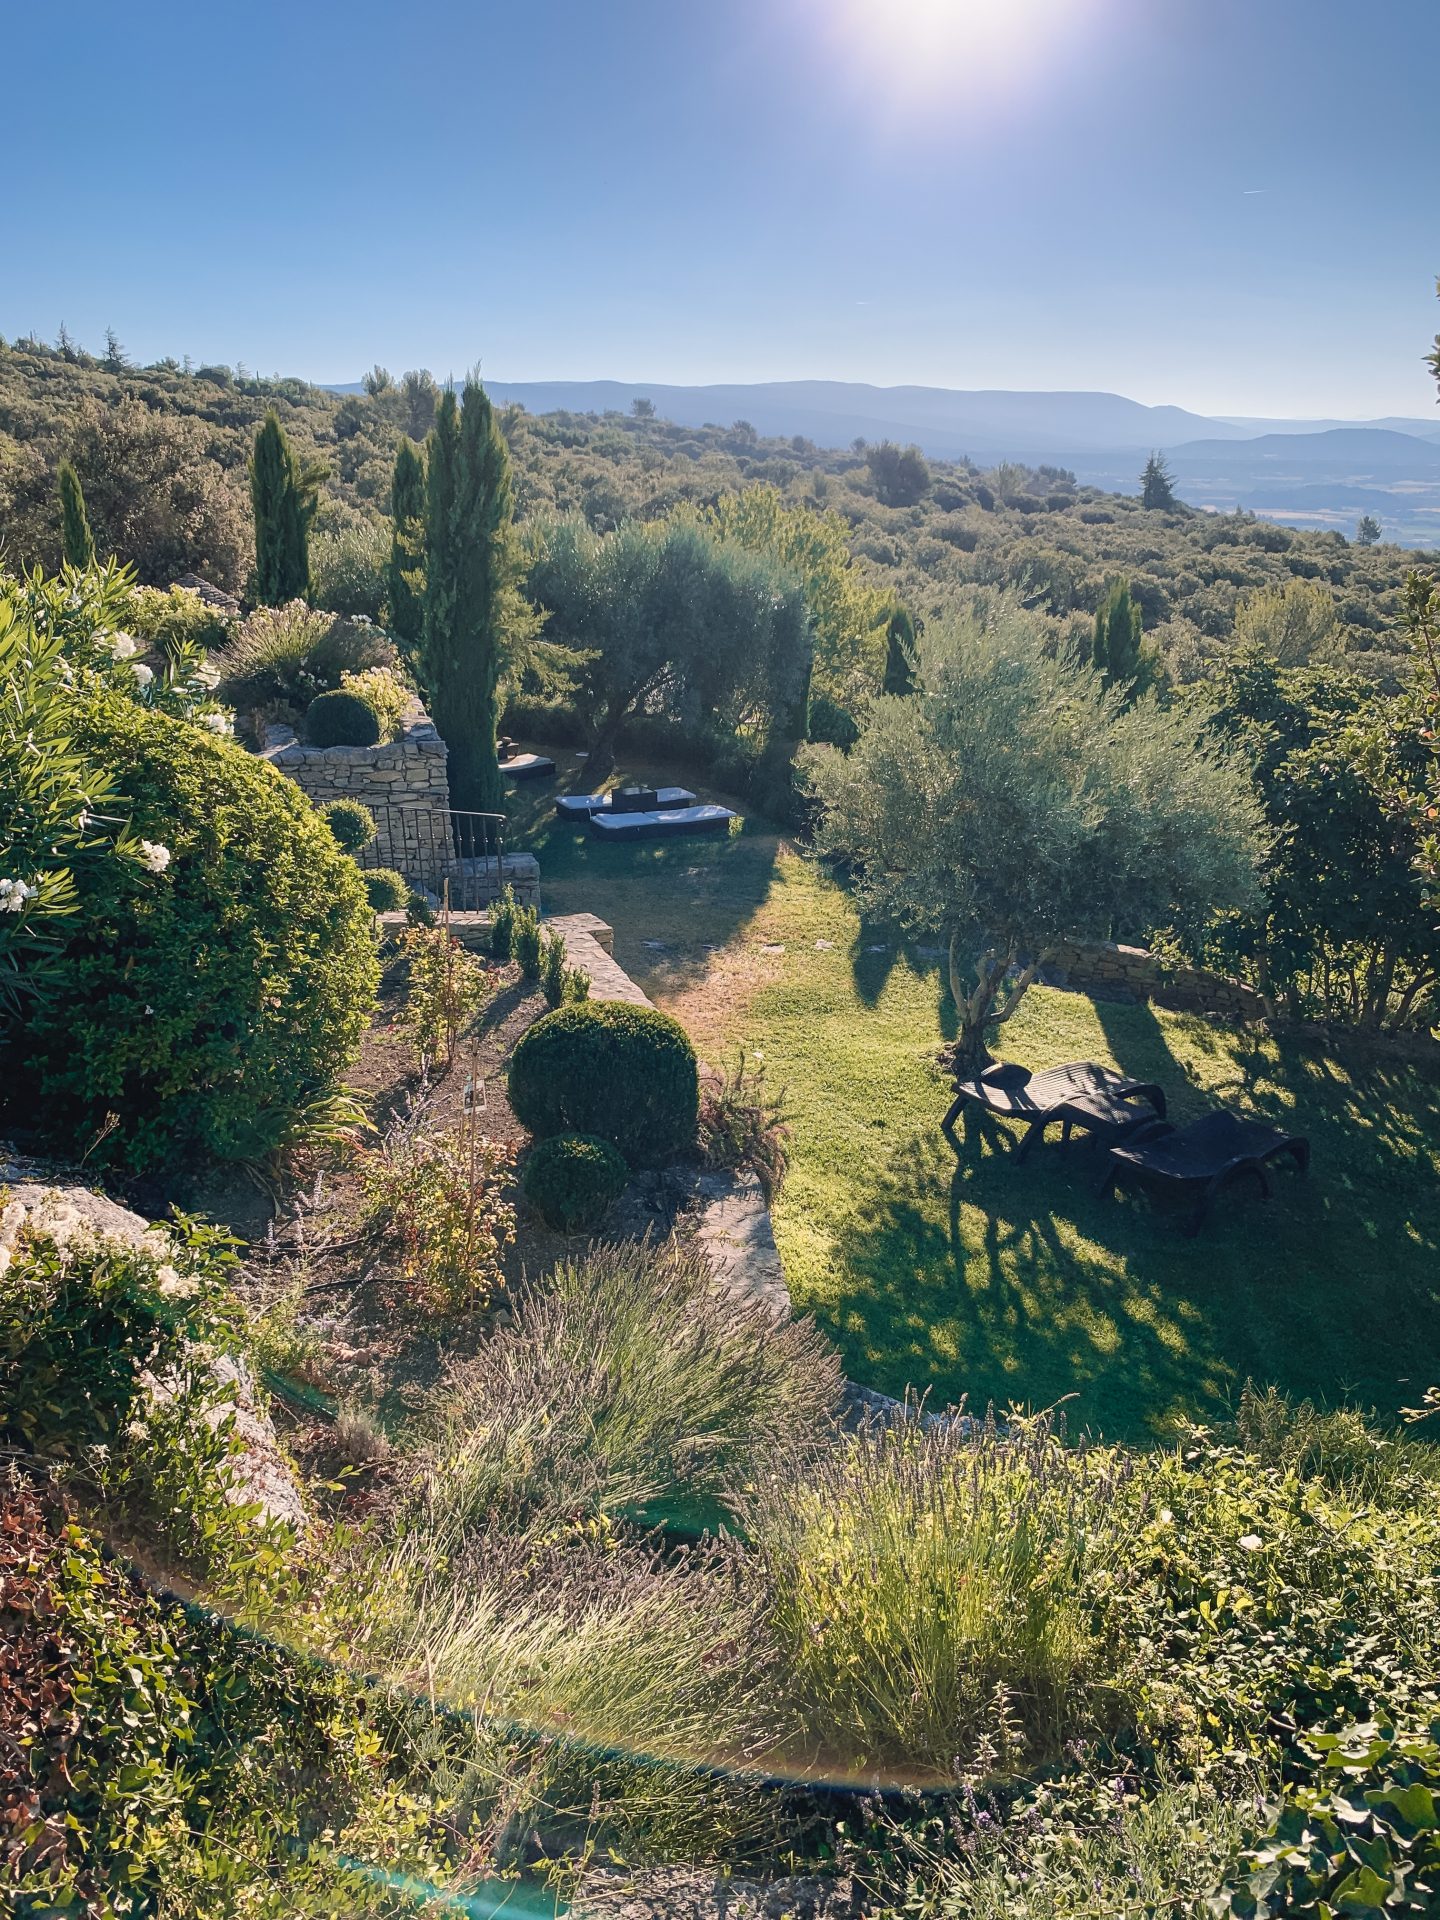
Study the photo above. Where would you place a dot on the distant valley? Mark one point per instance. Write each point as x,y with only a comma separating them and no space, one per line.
1306,473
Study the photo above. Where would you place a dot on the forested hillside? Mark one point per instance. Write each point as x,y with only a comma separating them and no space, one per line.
162,455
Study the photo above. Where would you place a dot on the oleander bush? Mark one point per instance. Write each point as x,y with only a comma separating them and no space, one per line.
208,990
627,1074
343,718
572,1179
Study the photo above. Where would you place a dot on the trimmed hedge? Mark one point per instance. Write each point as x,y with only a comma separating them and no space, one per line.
205,1003
343,719
572,1179
624,1074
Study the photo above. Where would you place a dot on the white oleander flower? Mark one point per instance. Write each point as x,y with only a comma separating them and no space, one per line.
141,672
122,647
218,722
153,856
14,896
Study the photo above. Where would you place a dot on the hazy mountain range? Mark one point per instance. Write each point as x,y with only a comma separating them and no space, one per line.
1314,473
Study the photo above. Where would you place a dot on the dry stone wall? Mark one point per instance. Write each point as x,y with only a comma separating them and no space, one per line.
1103,965
405,783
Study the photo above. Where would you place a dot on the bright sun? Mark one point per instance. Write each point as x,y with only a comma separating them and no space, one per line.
930,50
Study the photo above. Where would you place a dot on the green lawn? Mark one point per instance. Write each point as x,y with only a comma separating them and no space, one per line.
1011,1282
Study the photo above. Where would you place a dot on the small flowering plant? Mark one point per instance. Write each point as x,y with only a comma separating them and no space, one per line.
88,1321
60,636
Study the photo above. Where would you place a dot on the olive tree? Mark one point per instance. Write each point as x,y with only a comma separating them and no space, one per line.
1013,802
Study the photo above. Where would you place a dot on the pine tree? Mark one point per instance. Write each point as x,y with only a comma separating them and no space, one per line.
1119,650
77,543
1157,486
899,651
473,609
284,494
404,573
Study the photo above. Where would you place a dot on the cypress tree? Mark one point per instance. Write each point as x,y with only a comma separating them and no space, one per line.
473,608
899,651
284,495
404,578
1118,650
77,543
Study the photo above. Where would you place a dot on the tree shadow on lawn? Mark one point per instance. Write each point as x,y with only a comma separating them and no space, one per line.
877,951
671,902
1009,1281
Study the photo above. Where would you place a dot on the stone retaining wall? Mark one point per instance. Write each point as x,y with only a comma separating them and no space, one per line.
404,780
1136,971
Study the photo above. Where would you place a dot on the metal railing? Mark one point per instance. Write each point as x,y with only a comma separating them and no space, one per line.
437,846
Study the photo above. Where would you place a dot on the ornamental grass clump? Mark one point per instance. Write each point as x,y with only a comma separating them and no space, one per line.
938,1593
625,1386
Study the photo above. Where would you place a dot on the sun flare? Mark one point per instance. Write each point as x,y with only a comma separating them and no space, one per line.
928,50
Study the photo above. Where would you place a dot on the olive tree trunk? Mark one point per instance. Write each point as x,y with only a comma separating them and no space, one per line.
979,1006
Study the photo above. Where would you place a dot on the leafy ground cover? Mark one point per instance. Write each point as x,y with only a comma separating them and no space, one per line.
1000,1281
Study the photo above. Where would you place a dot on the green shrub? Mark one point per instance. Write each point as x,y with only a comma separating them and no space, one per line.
170,620
82,1320
439,1202
206,992
525,942
502,924
281,657
552,967
347,569
832,723
572,1179
386,890
352,824
343,719
446,988
627,1074
935,1593
742,1125
385,692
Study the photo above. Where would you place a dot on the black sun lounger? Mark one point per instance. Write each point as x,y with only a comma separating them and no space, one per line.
528,766
638,826
1044,1099
580,806
1198,1161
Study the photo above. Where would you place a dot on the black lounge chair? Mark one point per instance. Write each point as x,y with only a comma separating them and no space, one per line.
528,766
580,806
1081,1094
1200,1160
611,825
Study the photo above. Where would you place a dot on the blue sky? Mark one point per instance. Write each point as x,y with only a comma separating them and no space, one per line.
1232,205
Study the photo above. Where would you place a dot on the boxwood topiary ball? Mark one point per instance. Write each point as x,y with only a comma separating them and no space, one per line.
386,890
572,1179
625,1074
342,719
352,824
